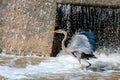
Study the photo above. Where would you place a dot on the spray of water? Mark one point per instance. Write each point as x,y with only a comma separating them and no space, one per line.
64,66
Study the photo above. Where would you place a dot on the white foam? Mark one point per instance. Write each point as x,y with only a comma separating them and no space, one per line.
61,64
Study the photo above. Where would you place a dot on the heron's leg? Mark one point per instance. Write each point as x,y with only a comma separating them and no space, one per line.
79,59
88,63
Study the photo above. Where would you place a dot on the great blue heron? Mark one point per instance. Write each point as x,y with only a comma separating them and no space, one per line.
83,47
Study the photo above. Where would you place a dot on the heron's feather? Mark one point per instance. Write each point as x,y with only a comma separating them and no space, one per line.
85,42
91,39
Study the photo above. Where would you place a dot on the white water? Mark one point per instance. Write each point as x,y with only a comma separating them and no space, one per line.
62,67
64,64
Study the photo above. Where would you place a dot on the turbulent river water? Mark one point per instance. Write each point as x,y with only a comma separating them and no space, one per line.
64,67
103,21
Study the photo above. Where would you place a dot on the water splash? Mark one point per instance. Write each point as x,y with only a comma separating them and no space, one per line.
103,21
63,65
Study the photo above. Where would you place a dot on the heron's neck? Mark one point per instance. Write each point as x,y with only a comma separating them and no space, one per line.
63,42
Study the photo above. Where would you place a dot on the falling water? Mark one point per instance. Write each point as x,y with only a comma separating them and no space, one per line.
25,26
63,67
104,21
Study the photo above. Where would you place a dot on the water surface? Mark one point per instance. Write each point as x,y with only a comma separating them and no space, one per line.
64,67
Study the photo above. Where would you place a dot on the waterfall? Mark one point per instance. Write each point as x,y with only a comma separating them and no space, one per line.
104,21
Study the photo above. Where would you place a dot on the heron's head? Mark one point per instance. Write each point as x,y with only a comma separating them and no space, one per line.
59,31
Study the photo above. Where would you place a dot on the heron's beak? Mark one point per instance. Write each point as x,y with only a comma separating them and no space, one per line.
53,31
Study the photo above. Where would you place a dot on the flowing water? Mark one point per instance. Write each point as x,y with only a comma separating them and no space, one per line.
64,67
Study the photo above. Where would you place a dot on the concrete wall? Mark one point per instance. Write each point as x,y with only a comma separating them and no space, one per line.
26,27
26,24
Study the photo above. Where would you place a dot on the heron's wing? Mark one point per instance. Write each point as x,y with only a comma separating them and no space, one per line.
84,42
91,39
